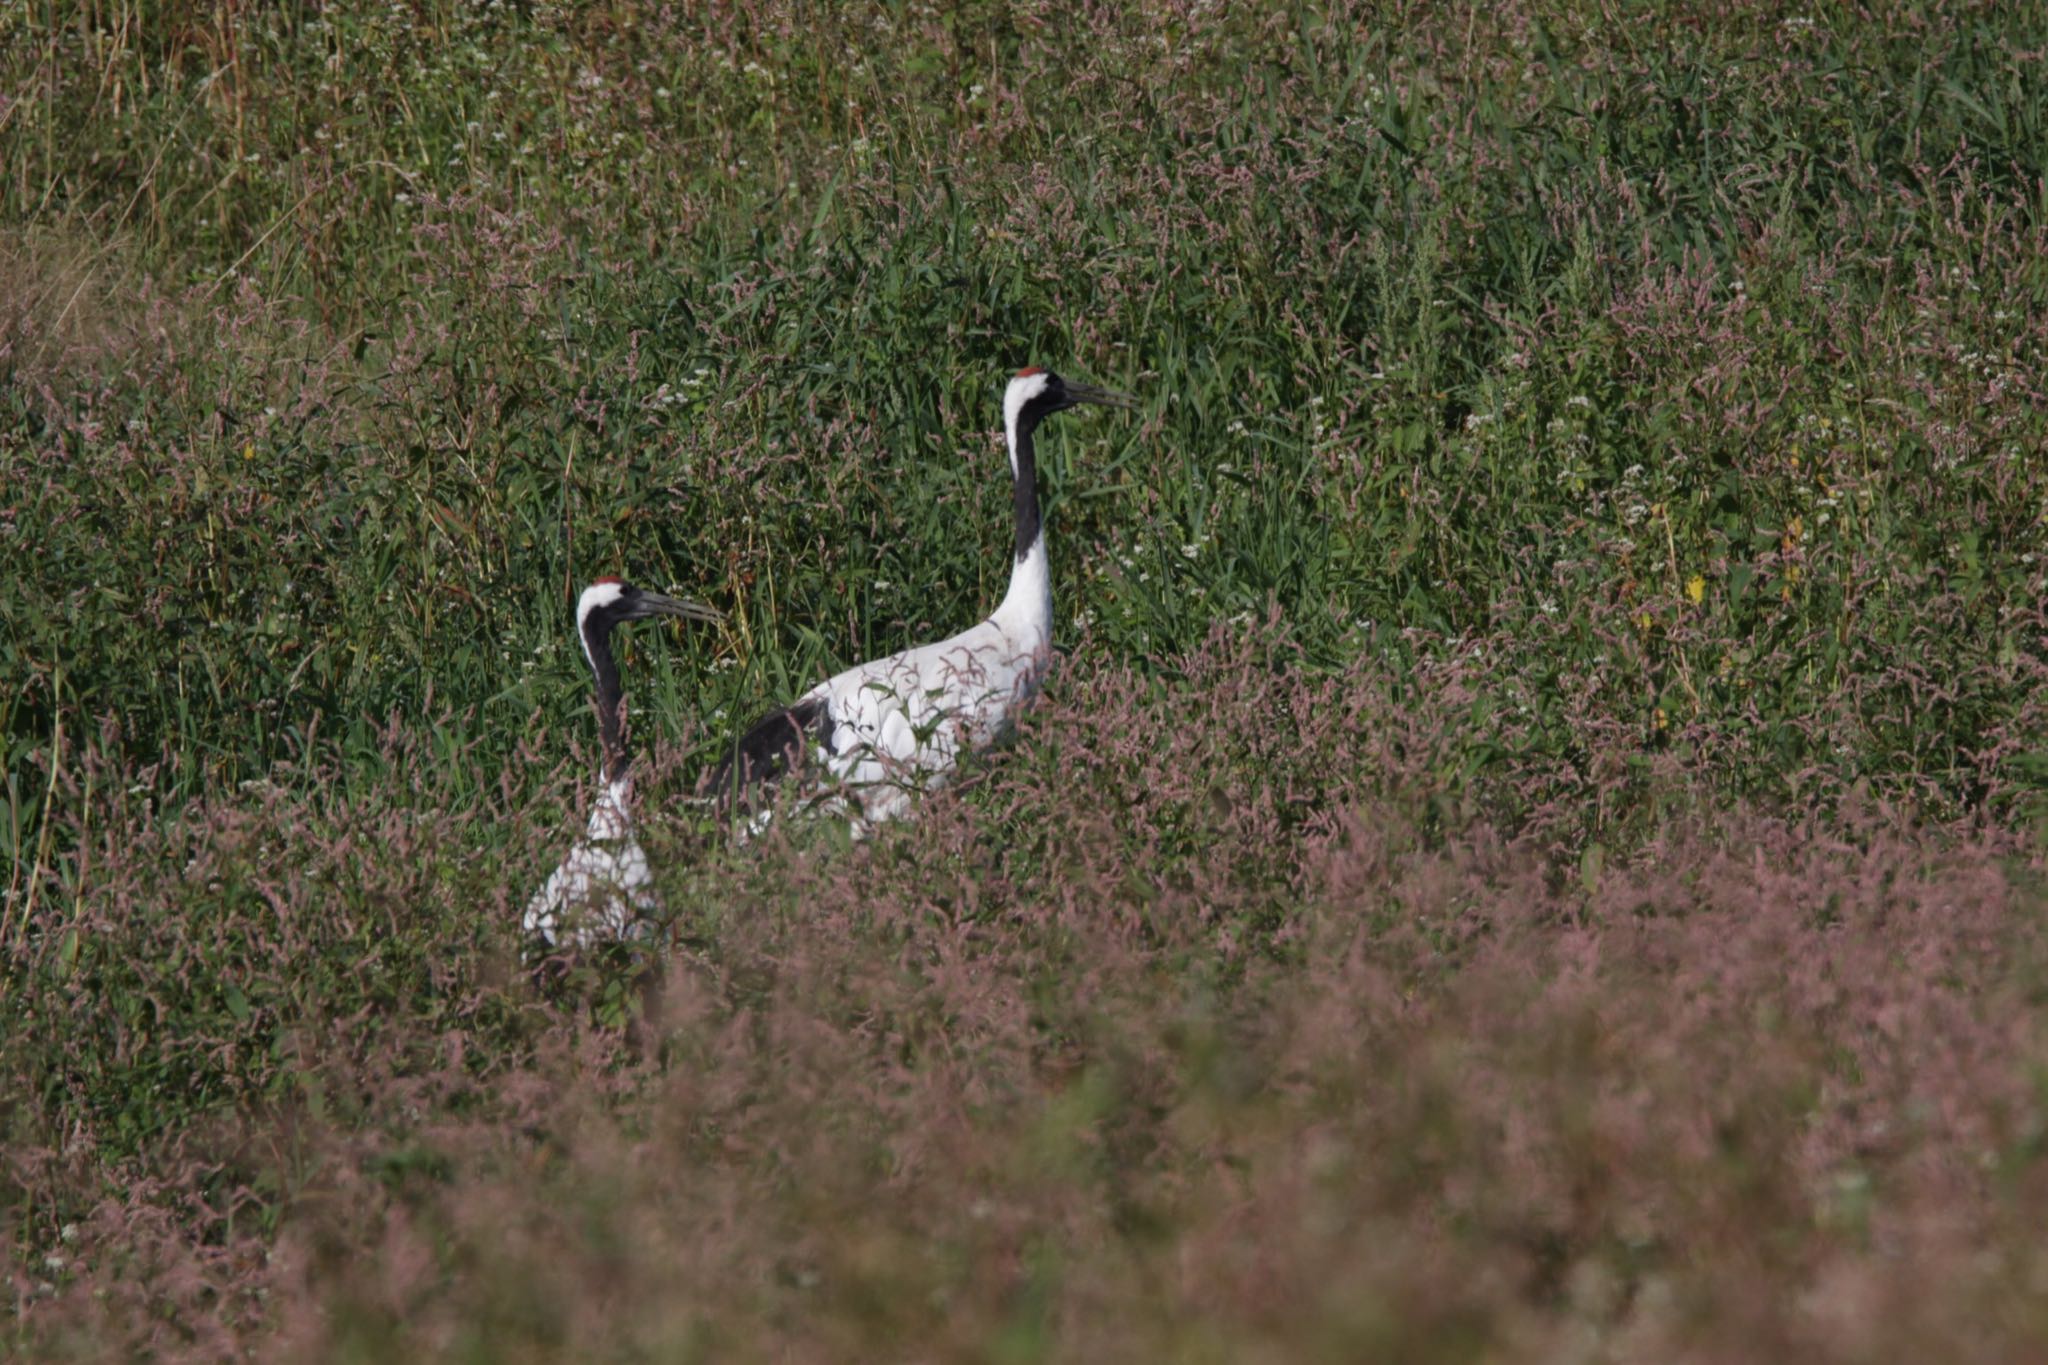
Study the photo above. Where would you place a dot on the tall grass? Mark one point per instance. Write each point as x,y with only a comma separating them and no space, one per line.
1535,846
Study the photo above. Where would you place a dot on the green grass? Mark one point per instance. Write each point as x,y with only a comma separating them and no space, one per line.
371,465
1632,420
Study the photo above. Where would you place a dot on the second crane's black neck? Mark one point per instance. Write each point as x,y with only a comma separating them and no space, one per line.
611,723
1029,524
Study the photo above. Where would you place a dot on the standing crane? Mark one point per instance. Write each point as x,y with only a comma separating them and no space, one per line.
872,736
603,887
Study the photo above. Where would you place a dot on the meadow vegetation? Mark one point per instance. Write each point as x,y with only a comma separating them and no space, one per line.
1537,846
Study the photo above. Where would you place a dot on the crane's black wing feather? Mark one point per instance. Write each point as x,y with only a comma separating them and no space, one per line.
769,750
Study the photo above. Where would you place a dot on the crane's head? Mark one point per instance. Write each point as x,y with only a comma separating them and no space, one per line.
609,602
1036,393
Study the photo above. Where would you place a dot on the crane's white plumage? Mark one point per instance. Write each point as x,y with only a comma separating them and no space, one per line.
604,888
878,733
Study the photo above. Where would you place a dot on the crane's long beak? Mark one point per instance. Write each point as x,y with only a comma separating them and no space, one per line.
1108,398
655,604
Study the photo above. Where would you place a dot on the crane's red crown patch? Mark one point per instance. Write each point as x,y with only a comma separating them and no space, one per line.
597,581
1030,370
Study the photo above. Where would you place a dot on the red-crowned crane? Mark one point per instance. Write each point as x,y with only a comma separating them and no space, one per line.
603,888
872,736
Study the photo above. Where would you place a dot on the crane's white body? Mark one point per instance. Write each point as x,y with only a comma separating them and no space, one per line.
604,887
900,725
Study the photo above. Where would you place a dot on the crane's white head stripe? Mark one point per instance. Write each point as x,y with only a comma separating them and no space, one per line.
602,593
1028,384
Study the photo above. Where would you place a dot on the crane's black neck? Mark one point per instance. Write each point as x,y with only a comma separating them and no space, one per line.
1029,525
611,719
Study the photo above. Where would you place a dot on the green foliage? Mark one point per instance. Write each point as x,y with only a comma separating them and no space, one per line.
1438,335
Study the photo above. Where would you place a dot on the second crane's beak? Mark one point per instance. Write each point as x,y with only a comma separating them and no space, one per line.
1108,398
655,604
